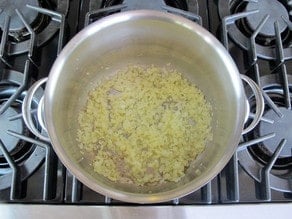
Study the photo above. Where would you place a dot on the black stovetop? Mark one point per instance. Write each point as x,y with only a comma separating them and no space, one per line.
258,35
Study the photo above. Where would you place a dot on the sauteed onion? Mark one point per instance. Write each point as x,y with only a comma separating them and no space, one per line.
144,125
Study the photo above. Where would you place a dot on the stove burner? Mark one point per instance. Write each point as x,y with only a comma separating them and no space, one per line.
38,14
256,157
27,156
281,127
8,7
242,29
9,124
274,9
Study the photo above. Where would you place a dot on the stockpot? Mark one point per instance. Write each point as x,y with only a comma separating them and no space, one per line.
143,37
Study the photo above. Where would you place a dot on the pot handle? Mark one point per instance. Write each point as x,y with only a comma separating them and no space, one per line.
26,111
260,104
26,108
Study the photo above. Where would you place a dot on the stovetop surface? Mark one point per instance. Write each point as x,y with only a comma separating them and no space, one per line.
258,37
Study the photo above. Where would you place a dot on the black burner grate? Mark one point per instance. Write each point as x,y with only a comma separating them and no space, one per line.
21,154
263,20
114,6
261,161
41,178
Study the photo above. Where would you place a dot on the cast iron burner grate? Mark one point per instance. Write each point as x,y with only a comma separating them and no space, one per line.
18,158
9,9
265,154
52,183
269,19
21,153
173,6
268,158
20,21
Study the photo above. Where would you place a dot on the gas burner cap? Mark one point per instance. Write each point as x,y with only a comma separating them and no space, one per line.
274,9
281,127
8,7
9,124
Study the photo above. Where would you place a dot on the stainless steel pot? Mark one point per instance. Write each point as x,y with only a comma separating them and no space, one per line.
144,37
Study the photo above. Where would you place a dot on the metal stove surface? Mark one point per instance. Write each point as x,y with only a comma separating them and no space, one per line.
257,35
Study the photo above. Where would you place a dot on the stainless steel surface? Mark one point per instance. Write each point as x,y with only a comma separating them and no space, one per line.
260,104
26,110
146,212
144,37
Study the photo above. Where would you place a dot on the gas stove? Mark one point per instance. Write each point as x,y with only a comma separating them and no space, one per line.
258,35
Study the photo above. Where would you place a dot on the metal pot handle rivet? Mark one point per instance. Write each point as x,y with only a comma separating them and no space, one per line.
260,103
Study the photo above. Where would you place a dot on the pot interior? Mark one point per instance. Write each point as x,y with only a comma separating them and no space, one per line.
144,38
